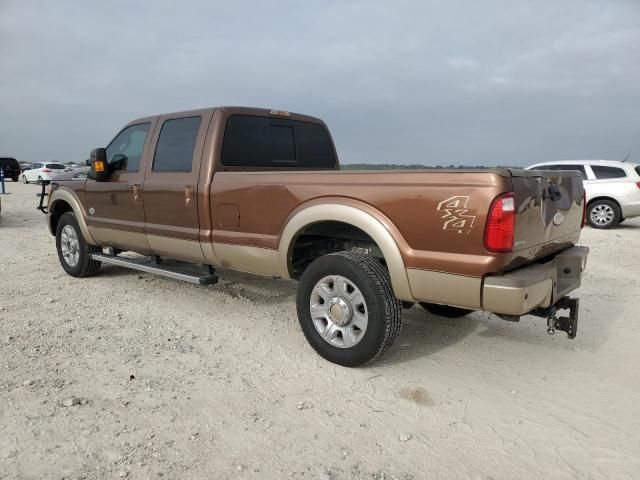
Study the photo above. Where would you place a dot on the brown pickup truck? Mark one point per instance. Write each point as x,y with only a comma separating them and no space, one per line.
261,191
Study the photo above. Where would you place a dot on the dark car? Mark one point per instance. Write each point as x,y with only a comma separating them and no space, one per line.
11,168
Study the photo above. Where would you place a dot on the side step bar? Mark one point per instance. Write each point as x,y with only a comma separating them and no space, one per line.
208,279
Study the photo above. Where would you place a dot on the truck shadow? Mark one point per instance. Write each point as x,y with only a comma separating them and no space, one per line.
424,334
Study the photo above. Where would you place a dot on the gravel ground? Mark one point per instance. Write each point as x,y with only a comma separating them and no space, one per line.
175,380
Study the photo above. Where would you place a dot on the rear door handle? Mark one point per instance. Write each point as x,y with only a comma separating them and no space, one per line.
188,195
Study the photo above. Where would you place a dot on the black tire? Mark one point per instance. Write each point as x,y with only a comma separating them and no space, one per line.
24,179
86,266
39,181
15,179
609,207
384,310
445,310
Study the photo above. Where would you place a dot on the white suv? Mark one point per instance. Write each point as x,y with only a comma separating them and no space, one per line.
612,188
37,172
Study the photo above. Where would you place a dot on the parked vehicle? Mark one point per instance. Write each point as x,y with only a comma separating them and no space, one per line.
11,168
612,188
261,191
40,171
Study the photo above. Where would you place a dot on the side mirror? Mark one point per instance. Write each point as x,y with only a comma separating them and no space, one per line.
99,167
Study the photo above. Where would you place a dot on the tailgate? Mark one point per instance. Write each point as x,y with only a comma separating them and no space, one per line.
549,210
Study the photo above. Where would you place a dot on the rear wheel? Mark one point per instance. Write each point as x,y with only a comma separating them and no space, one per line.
74,252
347,309
15,179
39,179
603,214
445,310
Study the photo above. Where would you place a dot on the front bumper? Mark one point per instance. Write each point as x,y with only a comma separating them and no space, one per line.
535,286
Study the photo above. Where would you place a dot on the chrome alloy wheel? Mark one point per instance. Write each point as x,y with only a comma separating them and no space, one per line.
602,214
338,311
70,245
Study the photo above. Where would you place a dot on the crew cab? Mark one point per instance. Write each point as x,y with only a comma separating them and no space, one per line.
261,191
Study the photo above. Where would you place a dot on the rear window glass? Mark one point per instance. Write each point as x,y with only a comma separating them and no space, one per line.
251,141
579,168
607,172
174,152
638,169
55,166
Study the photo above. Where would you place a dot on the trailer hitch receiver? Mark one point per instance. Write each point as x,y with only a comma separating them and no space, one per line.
566,324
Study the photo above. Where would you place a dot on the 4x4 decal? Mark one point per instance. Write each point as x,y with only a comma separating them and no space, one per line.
455,214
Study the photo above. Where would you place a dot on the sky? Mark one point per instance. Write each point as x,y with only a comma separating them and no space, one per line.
426,82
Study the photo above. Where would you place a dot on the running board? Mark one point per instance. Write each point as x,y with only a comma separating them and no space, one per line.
208,279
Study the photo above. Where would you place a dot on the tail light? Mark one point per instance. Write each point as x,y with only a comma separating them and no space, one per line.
498,235
638,184
47,170
584,208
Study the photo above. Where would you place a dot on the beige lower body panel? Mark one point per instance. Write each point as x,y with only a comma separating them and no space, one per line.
445,288
261,261
111,237
177,248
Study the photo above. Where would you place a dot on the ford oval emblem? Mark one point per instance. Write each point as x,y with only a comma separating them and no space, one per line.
558,218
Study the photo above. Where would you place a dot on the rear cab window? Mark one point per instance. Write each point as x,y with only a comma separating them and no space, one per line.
265,142
603,173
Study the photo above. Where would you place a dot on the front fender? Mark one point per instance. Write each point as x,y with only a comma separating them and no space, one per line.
62,194
359,216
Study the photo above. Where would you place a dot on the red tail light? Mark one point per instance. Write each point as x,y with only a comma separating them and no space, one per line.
584,209
498,235
638,184
47,170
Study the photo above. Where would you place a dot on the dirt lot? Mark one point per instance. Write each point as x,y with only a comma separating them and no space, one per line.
181,381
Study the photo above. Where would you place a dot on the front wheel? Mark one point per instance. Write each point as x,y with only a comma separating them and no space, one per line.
603,214
347,309
74,252
24,179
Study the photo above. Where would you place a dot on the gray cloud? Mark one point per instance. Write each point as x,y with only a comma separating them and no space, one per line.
495,82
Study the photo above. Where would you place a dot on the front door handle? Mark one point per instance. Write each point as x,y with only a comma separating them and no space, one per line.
136,192
188,195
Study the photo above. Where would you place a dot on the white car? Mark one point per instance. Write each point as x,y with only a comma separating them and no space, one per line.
612,188
39,171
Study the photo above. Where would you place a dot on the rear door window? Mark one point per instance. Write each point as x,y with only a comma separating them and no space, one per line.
176,143
602,172
251,141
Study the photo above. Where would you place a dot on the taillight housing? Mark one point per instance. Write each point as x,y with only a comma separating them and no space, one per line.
498,234
47,170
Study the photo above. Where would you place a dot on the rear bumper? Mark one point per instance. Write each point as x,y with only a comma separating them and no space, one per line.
536,286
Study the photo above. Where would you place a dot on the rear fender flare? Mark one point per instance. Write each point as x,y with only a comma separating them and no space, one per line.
357,217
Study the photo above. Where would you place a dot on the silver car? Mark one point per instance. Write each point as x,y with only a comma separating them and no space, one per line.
612,188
